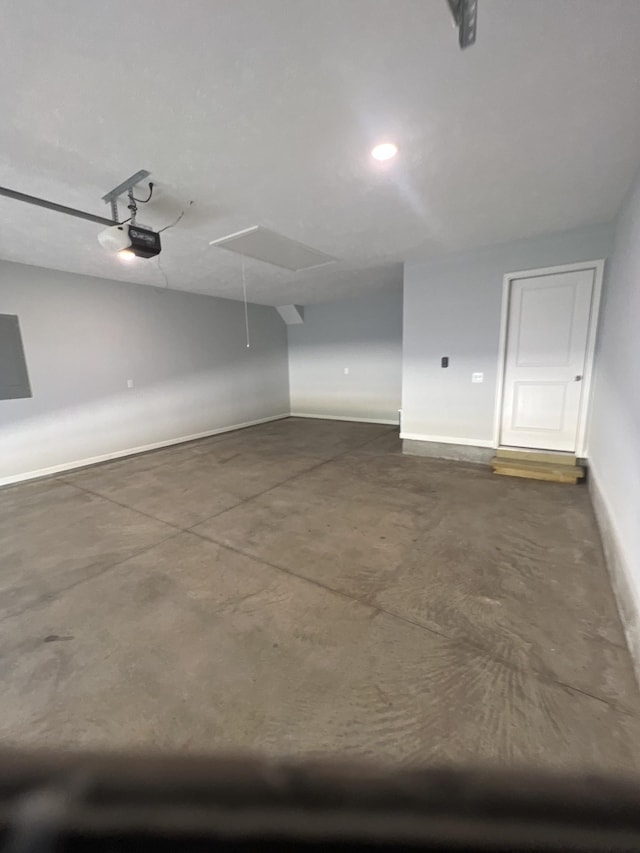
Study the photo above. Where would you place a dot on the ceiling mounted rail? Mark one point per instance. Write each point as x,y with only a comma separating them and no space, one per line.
59,208
465,17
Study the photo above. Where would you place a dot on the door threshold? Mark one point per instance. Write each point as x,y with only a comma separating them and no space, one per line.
554,457
517,449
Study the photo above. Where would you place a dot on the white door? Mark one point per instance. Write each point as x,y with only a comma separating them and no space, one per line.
548,328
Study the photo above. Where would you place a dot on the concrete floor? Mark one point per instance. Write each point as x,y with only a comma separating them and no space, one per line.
302,587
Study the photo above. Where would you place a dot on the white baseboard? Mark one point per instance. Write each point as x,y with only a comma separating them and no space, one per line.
105,457
345,418
447,439
619,564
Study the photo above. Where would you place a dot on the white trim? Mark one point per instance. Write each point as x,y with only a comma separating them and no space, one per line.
619,565
105,457
344,418
598,270
538,271
582,448
502,357
447,439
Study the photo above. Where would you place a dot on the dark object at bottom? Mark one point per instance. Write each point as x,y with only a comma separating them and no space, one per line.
100,803
144,242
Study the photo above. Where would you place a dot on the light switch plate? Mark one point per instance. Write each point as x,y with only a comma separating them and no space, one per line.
129,383
477,377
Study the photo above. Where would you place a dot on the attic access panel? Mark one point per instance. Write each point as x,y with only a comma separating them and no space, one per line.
14,379
273,248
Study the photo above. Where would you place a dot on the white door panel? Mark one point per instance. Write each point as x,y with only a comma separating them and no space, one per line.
538,405
548,327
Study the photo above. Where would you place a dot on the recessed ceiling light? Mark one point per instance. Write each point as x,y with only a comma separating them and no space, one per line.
126,255
384,151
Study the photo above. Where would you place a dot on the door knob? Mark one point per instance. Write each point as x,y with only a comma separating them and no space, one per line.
578,378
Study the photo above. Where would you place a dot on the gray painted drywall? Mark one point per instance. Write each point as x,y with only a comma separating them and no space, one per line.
452,308
85,337
614,433
364,335
445,450
14,376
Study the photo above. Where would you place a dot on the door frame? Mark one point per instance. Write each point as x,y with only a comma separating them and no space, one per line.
598,269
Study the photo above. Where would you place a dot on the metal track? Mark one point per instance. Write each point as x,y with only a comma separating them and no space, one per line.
59,208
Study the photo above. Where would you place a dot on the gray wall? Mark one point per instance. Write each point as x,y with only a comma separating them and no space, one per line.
614,435
85,337
453,308
363,334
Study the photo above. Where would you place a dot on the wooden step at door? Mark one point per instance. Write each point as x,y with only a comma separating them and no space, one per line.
534,470
551,457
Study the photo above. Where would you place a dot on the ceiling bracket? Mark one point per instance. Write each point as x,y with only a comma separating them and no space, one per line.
465,18
132,207
125,187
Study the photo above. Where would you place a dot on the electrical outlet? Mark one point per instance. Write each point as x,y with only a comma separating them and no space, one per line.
477,377
346,371
129,383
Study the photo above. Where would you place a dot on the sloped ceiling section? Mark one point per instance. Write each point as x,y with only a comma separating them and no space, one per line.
265,111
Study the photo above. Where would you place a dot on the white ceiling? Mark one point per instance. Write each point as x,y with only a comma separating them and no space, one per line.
263,112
